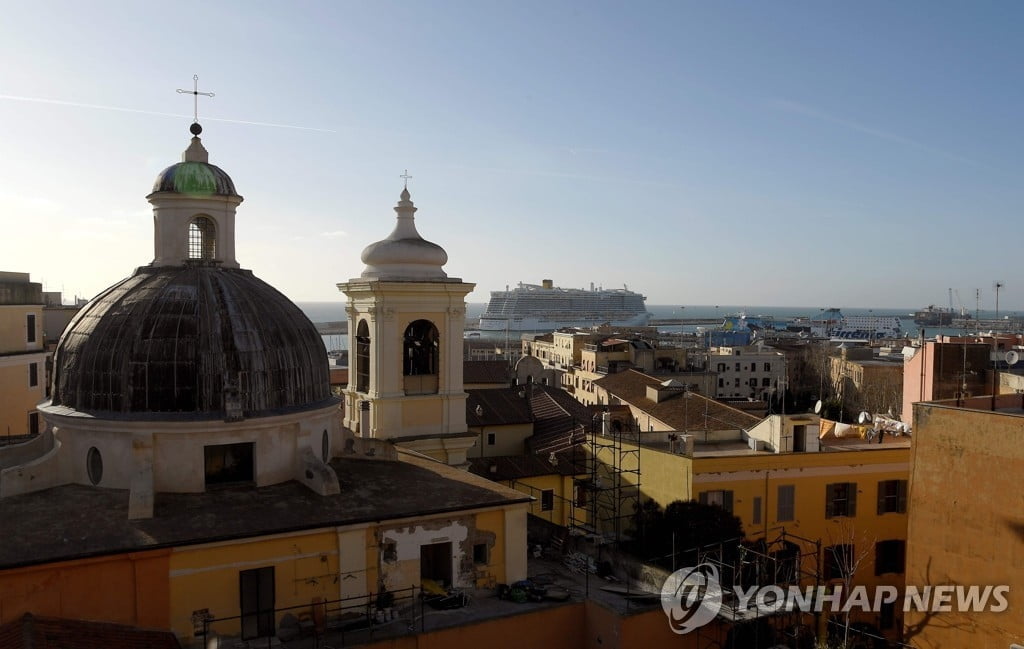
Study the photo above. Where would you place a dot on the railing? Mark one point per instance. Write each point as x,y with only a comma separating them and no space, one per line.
401,611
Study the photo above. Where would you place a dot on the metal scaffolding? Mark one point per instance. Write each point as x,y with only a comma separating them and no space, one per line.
611,460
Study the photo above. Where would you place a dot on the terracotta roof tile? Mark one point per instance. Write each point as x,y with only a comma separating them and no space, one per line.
681,411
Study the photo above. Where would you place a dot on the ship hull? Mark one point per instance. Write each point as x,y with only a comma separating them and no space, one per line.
514,323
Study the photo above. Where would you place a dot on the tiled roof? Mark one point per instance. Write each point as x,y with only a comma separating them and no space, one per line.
498,407
31,632
689,411
560,421
485,372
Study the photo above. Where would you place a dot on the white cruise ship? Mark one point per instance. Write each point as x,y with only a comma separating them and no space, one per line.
546,307
832,324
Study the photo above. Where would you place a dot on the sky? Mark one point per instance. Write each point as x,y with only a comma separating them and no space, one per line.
858,154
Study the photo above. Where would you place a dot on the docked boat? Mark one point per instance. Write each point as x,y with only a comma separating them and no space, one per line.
934,316
546,307
832,324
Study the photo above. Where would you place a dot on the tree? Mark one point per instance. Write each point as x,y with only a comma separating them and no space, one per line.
672,536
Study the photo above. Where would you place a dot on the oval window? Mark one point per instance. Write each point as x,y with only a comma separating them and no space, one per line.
94,465
325,447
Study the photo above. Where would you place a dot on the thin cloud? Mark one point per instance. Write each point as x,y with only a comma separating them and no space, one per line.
76,104
807,111
334,234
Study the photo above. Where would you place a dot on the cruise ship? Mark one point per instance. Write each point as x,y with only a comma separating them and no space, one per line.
546,307
832,324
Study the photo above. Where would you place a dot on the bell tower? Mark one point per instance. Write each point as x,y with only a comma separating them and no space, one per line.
406,319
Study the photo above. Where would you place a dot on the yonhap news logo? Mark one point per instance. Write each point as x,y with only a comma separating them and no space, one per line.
692,597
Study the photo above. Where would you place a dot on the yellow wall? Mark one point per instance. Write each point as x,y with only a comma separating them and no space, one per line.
207,576
508,440
13,332
18,397
562,512
124,589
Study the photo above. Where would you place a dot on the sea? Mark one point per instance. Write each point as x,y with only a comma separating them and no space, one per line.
335,311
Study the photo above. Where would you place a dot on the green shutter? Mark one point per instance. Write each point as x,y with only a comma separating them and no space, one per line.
727,501
830,494
881,497
703,497
901,496
851,503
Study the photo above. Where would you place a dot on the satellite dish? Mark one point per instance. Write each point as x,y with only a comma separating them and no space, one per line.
817,407
863,418
1012,357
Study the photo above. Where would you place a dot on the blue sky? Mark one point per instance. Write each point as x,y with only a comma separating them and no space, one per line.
847,154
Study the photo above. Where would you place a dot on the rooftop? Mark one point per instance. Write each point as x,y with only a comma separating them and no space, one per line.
74,521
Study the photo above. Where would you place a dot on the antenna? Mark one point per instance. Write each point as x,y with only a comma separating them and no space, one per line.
1012,357
864,417
817,407
997,285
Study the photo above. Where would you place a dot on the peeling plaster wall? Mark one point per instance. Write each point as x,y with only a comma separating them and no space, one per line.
404,571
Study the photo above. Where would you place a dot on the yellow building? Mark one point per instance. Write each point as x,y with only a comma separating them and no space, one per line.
22,355
840,501
966,523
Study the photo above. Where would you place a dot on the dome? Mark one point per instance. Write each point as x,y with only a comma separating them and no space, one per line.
196,340
195,179
404,254
194,175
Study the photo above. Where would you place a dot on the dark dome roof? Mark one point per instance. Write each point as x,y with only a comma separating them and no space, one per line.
196,179
184,340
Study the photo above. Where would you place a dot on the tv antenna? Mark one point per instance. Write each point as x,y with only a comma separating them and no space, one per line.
997,285
1011,358
864,417
817,407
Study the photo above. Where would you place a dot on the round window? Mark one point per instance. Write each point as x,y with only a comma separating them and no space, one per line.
325,447
94,465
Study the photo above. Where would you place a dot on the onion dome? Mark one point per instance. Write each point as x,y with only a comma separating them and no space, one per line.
194,175
404,254
201,341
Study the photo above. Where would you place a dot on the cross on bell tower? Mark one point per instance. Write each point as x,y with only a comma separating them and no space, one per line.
196,129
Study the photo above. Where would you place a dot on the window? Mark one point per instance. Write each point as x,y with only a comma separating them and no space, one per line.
325,447
890,556
737,367
887,616
892,497
33,423
362,357
229,464
722,498
721,383
721,367
547,500
838,561
490,439
30,328
202,238
786,496
33,375
841,499
752,383
767,367
94,465
579,495
420,346
480,554
389,551
755,517
736,382
766,382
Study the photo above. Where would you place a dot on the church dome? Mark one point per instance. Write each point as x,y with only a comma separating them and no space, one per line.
404,254
194,175
195,179
196,340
